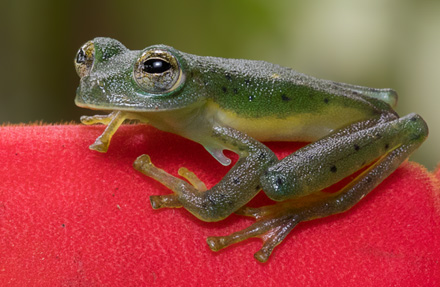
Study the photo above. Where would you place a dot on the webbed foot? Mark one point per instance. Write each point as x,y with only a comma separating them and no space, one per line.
273,224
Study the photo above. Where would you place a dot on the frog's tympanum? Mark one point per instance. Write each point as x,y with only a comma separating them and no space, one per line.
230,104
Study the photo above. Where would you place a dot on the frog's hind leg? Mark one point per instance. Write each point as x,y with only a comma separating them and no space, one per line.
276,221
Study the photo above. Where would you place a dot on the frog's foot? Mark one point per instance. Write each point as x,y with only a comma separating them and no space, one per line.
273,224
143,164
113,121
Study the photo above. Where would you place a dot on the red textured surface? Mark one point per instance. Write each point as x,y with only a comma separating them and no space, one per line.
73,217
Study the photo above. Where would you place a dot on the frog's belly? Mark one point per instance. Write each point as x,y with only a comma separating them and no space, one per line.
296,127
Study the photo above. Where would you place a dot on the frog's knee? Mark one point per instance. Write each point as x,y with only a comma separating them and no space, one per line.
280,186
417,127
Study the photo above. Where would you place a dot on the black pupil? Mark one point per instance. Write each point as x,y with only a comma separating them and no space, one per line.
81,57
156,66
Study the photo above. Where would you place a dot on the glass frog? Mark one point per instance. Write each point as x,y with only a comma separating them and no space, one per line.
231,104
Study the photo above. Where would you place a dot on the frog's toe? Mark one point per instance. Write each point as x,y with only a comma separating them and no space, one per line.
274,237
142,162
192,178
251,212
144,165
88,120
99,145
165,201
98,119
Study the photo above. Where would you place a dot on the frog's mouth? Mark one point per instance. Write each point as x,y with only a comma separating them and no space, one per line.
82,104
96,99
92,96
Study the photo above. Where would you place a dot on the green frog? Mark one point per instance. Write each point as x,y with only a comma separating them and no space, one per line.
235,105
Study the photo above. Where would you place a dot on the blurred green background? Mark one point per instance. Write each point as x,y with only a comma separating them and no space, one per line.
378,43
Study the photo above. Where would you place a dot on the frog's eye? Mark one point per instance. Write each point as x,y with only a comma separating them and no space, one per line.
84,59
157,71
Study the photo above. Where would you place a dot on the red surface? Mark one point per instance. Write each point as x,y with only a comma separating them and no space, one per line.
73,217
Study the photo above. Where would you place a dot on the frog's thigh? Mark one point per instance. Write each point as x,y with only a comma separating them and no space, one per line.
337,156
275,222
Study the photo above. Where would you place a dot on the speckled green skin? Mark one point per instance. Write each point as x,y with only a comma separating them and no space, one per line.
234,104
243,86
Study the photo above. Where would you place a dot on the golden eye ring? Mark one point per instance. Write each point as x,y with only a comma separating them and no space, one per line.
157,71
84,59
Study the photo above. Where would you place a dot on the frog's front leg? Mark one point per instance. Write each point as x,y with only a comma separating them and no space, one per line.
112,120
239,185
382,144
143,163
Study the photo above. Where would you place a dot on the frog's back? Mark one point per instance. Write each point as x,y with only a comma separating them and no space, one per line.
270,102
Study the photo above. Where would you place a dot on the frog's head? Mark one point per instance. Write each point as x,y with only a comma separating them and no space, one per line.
115,78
